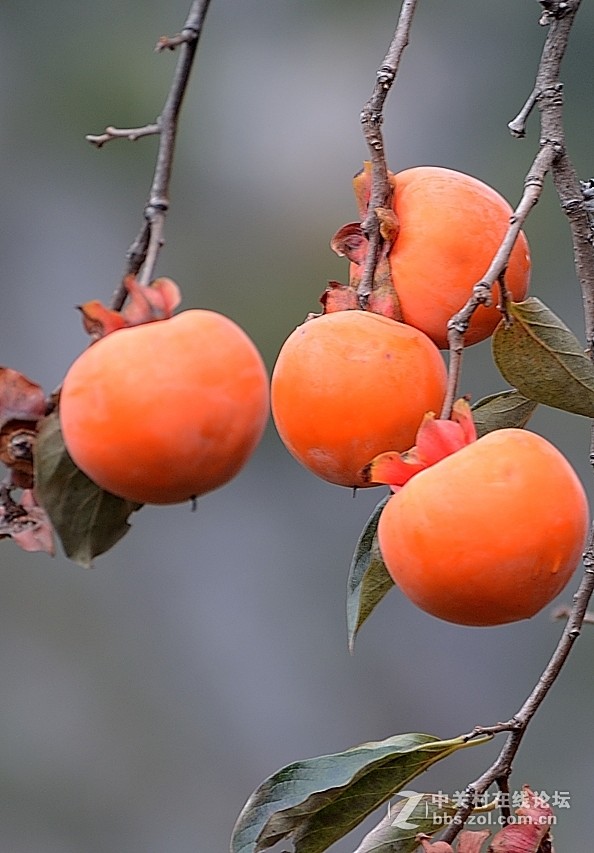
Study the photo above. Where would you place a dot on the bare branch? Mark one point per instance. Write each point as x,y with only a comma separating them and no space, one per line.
553,156
563,612
171,42
130,133
143,253
481,295
371,120
517,126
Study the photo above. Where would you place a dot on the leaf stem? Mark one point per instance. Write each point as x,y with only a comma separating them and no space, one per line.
371,121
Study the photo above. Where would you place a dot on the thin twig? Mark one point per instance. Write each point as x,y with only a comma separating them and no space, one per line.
563,612
130,133
517,126
482,290
502,766
371,120
549,101
547,95
143,253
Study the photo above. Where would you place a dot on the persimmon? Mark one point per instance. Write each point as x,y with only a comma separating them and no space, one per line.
166,411
350,384
448,228
487,535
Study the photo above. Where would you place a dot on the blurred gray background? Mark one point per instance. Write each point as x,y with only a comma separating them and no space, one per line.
141,702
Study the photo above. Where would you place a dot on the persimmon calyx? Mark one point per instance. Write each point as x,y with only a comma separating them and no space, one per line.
156,301
436,439
362,187
350,242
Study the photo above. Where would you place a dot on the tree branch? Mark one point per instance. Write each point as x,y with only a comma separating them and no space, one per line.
371,120
547,96
481,294
502,766
130,133
144,251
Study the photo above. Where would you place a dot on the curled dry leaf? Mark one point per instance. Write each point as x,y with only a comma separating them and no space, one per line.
22,404
156,301
20,398
339,297
470,841
362,187
389,225
17,439
435,847
525,836
350,241
26,523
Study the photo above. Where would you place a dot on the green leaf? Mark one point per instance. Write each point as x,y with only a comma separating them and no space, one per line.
315,802
501,411
543,359
397,832
368,580
88,520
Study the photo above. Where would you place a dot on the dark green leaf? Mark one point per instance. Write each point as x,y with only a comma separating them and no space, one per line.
88,520
368,580
397,832
543,359
501,411
315,802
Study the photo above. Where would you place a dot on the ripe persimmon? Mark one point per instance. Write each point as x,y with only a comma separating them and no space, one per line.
487,535
349,385
448,228
165,411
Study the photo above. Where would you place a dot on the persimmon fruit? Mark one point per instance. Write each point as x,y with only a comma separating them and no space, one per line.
349,385
166,411
449,226
489,534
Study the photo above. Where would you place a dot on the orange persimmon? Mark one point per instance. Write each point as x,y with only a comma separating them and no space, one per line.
449,227
486,535
447,230
165,411
351,384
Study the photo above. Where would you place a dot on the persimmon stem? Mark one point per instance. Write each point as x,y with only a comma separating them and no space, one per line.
143,253
371,121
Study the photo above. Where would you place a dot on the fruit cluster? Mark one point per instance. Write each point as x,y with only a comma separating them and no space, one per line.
475,533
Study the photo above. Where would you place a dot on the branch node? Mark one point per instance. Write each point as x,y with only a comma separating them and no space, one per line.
187,36
385,76
554,10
